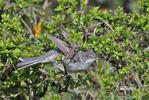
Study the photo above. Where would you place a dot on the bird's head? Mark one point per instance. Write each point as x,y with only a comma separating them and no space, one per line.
88,57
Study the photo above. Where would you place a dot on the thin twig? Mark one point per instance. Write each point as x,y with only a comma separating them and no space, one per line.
138,81
45,4
26,26
58,67
108,25
17,93
34,15
146,49
95,30
43,81
94,79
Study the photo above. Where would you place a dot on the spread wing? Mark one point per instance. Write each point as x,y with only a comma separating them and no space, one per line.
63,46
65,33
67,36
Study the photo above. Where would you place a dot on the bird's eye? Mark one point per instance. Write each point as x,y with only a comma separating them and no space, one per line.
89,57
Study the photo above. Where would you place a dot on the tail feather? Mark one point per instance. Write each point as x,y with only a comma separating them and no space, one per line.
28,62
27,58
28,65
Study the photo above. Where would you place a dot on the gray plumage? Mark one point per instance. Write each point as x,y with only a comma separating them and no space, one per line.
79,61
45,58
83,60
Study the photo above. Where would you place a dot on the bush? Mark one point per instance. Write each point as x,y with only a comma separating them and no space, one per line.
119,39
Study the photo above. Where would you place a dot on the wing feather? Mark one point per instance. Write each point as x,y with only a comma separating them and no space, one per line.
63,46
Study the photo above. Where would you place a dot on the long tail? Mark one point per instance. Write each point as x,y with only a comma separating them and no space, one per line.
28,61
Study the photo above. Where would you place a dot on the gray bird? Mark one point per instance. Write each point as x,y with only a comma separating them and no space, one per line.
74,60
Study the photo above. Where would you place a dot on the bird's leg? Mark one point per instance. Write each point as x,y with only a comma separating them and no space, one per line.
65,70
57,66
64,64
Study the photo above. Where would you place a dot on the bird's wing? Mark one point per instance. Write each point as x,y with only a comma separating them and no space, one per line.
63,46
67,36
65,33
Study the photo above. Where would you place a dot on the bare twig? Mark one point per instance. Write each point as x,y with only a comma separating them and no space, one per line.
138,81
146,49
59,67
95,30
5,37
94,79
26,26
34,15
89,95
45,5
108,25
17,94
43,81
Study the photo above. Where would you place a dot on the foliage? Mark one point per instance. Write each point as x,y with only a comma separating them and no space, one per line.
119,40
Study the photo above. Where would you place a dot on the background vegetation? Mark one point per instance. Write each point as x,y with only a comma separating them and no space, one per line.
120,40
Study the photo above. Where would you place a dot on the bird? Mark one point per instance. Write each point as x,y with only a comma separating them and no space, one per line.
73,60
